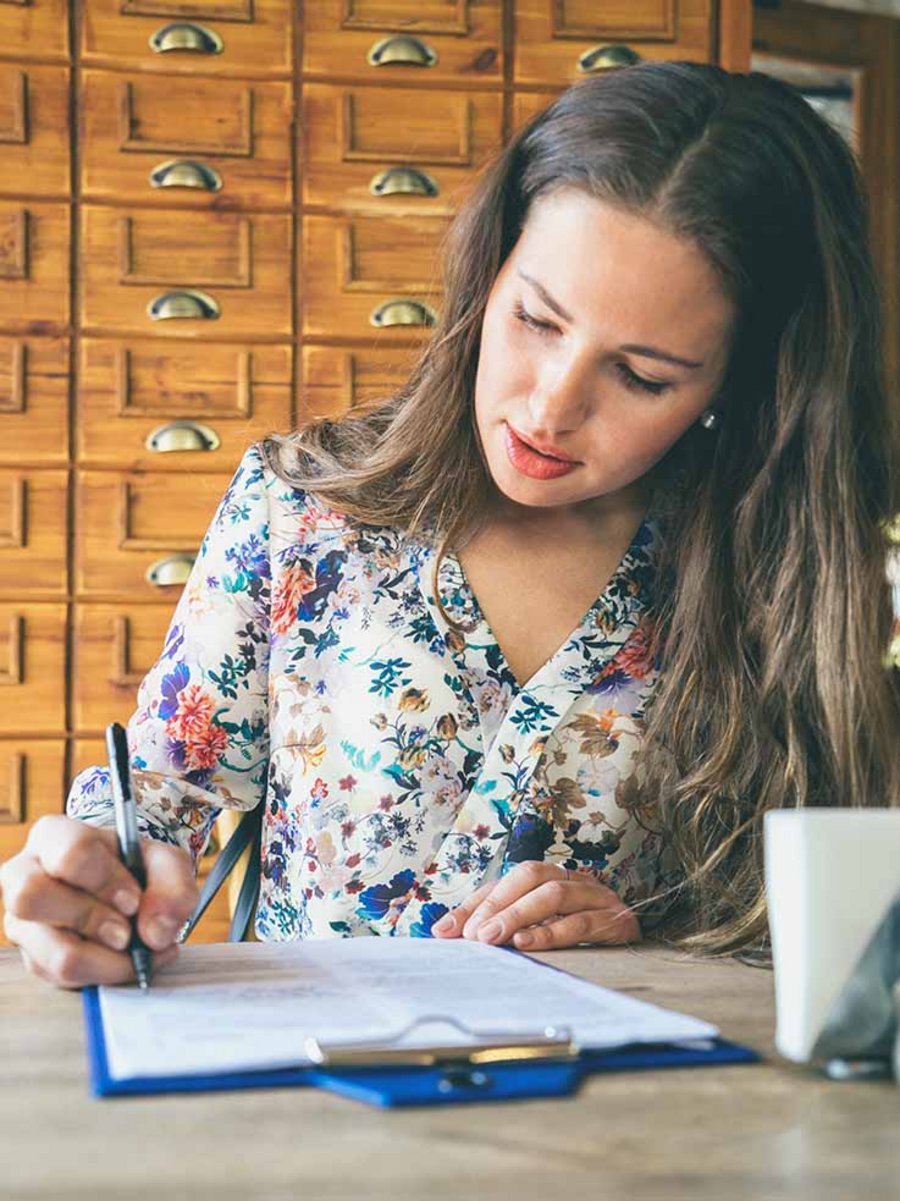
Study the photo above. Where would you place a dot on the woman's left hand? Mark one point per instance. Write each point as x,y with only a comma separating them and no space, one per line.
541,906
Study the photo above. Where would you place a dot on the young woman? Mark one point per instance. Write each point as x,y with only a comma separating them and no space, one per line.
524,652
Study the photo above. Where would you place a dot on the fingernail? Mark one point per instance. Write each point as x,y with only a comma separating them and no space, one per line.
447,922
161,932
524,938
127,901
115,935
489,931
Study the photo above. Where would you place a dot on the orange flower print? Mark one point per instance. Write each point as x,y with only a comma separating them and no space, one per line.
193,715
634,658
289,591
203,751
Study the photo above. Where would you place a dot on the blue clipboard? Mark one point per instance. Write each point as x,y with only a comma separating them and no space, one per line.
390,1085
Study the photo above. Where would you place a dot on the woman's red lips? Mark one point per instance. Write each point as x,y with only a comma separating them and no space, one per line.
544,450
533,463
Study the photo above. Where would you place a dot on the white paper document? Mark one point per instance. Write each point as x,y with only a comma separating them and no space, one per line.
239,1006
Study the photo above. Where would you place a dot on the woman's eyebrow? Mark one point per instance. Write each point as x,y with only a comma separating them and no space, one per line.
647,352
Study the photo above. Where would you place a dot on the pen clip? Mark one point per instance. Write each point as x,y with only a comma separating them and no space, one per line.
123,801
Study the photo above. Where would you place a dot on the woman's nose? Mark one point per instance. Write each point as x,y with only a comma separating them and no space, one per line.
564,395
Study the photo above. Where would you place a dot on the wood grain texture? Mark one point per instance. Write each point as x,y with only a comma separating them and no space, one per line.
764,1132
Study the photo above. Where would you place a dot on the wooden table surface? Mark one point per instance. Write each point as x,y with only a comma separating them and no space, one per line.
768,1130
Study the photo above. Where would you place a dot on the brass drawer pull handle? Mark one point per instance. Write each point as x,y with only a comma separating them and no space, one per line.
182,435
170,572
401,50
402,312
601,58
408,180
193,305
186,35
185,173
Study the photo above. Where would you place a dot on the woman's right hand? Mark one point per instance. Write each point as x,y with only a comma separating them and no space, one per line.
68,901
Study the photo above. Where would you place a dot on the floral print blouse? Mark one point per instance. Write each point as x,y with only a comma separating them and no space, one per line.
308,668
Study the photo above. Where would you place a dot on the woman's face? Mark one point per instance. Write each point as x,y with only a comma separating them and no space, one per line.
604,339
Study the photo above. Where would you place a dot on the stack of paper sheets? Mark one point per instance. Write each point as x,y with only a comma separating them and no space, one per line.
240,1006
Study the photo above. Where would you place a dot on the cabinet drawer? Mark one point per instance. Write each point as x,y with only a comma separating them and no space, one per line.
34,400
336,379
114,648
387,40
33,524
34,266
526,105
132,524
34,130
371,273
32,784
230,271
162,140
371,148
205,37
198,407
37,29
32,668
558,44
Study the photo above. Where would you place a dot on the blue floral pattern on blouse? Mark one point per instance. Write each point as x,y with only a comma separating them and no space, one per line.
308,669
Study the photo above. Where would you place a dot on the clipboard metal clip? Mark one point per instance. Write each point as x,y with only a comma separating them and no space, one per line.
479,1047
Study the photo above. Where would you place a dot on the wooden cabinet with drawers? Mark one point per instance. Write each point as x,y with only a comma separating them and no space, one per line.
382,41
557,44
243,38
152,139
34,406
145,404
358,143
216,220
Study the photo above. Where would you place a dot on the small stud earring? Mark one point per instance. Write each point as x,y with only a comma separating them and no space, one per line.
710,419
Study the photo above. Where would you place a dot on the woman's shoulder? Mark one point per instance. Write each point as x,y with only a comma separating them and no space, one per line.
285,473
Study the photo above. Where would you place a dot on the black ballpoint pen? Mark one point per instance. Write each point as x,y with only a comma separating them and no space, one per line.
129,839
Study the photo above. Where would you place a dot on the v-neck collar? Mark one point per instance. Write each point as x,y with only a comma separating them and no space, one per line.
605,625
511,756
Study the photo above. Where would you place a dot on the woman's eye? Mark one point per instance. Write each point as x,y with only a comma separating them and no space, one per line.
637,382
629,378
542,327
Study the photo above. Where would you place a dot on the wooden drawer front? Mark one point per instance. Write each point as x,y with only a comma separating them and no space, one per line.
213,926
34,400
32,784
363,145
236,263
34,130
33,522
551,38
128,524
163,140
363,264
255,36
32,668
199,406
528,104
336,379
440,42
37,29
114,648
34,266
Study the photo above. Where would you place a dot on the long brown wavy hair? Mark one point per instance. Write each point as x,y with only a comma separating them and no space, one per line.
772,613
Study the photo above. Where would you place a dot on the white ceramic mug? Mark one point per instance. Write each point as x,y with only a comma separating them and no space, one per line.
832,878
